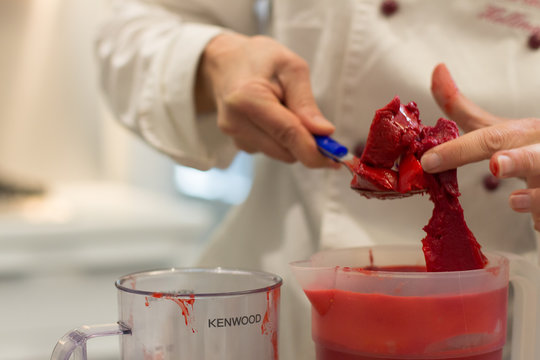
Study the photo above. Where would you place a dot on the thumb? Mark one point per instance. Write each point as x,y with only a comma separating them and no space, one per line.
457,107
298,97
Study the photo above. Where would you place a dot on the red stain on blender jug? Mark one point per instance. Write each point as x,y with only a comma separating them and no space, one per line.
156,295
133,282
272,302
185,305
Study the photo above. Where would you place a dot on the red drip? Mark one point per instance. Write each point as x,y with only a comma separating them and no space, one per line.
270,318
186,305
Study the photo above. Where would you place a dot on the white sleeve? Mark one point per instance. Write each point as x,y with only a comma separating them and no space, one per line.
148,52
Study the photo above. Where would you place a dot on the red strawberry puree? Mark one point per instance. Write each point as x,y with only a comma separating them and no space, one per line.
391,161
358,326
348,325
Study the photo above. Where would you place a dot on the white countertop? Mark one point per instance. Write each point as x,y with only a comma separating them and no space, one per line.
60,255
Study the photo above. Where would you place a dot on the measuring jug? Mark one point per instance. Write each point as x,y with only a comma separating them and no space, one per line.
380,303
203,314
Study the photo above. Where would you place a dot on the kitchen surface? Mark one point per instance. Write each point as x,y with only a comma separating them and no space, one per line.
62,252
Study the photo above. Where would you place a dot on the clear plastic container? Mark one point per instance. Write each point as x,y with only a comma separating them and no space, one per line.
400,312
203,314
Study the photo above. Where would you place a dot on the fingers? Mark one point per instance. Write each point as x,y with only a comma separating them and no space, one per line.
521,162
287,130
455,105
525,163
254,140
527,201
264,100
257,121
293,75
513,147
481,144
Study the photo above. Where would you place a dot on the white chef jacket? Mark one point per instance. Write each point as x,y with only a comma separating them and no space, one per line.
359,60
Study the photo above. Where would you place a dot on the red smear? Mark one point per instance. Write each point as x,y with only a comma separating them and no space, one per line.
270,319
186,305
444,88
494,166
133,282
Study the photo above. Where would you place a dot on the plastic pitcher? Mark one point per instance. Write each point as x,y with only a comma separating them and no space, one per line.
203,314
376,303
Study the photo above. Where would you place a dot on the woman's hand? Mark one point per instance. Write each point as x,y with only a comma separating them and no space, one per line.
262,94
513,146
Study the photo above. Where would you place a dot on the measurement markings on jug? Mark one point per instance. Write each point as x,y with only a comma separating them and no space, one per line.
234,321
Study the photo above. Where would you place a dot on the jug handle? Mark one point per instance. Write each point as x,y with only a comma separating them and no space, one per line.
74,342
525,277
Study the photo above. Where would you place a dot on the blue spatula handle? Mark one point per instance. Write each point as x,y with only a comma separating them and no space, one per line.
330,147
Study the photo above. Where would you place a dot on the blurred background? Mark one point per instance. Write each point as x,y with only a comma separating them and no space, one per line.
82,201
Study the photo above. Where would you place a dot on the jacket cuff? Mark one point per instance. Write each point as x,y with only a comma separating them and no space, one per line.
169,96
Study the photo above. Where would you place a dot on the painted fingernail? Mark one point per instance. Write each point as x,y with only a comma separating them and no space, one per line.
505,165
430,162
520,202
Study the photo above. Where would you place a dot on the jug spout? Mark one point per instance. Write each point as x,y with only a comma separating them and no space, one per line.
311,276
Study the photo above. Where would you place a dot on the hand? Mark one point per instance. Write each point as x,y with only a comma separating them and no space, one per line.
263,97
513,146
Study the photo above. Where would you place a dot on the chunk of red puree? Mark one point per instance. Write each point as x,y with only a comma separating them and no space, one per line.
392,135
391,161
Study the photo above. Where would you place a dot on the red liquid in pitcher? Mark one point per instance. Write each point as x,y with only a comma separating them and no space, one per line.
354,326
324,353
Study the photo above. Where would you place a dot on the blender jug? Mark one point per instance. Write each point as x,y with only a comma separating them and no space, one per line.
203,314
380,303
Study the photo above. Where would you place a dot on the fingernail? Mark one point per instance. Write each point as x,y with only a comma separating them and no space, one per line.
505,165
430,162
520,202
321,120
